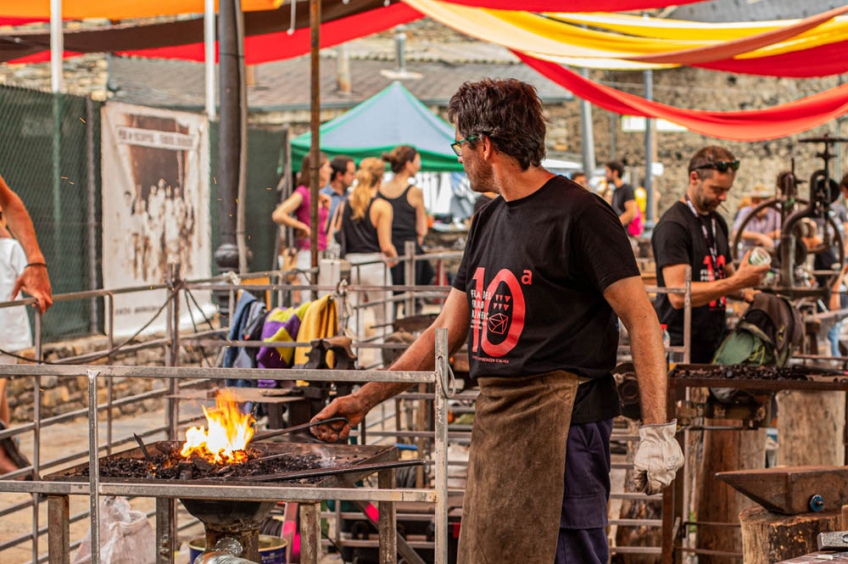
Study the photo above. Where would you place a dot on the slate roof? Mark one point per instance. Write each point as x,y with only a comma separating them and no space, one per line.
284,85
752,10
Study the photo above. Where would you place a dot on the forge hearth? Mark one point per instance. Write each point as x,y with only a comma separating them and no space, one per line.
235,519
265,459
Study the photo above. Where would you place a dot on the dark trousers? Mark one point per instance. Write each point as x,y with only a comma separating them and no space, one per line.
582,533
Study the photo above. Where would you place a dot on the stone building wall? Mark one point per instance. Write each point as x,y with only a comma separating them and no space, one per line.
684,88
66,394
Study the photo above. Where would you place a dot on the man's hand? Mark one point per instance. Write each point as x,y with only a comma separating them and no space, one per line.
749,275
658,457
347,406
34,281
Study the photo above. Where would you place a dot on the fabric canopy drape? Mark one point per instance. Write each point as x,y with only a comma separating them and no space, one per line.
573,5
667,28
265,33
548,38
118,9
752,125
827,60
270,47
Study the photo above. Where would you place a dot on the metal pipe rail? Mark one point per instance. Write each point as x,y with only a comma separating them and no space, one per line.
96,487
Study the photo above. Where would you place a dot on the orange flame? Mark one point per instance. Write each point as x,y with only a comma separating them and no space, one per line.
230,431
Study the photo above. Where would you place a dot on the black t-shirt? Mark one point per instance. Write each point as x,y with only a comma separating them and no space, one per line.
621,196
534,272
679,239
482,200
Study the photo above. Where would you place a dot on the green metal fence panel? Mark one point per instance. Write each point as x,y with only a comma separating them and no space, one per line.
265,148
50,156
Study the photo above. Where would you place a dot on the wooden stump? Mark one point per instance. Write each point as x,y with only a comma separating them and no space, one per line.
809,428
717,502
768,537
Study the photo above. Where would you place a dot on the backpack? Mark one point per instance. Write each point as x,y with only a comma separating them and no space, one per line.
766,335
636,226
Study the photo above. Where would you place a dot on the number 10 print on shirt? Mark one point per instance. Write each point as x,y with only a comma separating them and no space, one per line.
497,312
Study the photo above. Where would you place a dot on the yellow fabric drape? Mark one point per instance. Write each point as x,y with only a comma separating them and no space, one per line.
550,38
320,321
664,28
119,9
701,34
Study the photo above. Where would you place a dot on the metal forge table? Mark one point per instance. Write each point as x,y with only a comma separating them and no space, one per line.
673,512
166,494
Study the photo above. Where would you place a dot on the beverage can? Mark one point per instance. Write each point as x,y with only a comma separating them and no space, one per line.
759,257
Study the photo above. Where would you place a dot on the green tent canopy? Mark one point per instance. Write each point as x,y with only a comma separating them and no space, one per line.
389,118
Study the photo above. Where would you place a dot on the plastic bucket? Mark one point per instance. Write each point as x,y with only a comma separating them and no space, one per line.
272,550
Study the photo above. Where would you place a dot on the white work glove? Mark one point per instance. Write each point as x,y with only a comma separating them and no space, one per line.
658,457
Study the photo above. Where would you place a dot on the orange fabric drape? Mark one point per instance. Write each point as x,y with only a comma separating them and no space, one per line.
118,9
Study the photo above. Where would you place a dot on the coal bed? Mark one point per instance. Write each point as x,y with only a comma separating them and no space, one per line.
266,461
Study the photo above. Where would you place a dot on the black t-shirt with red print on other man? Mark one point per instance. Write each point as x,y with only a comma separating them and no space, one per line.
534,272
684,237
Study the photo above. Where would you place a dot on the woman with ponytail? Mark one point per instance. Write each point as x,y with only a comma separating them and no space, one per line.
410,217
365,231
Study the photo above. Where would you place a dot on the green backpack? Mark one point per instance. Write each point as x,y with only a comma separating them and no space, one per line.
766,335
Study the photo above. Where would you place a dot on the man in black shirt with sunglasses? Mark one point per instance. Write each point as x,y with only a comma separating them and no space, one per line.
692,233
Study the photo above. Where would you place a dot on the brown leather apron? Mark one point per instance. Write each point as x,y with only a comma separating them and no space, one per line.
516,469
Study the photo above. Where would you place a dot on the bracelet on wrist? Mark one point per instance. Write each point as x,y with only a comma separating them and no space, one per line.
41,264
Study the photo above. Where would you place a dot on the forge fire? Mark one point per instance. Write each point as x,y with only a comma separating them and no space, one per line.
228,434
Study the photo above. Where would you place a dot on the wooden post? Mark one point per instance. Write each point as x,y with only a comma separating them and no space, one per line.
166,530
59,534
310,533
809,428
387,520
769,537
719,503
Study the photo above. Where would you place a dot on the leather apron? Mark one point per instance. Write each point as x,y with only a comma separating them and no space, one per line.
516,470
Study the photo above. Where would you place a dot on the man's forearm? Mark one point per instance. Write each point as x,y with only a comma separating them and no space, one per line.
651,369
420,356
20,224
706,292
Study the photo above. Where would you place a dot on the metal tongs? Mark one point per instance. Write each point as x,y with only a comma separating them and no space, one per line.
277,432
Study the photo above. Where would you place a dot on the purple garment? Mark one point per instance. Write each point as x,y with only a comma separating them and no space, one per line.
284,330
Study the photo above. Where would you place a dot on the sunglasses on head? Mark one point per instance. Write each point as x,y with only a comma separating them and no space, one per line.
721,166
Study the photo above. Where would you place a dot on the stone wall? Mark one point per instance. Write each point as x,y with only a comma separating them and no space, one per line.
66,394
684,88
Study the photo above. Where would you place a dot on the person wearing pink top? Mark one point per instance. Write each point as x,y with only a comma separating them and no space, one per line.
295,212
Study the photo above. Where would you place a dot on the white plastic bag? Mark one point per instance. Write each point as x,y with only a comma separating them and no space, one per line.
126,536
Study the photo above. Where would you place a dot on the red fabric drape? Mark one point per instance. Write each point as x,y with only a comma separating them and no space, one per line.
573,5
19,21
279,46
824,60
262,48
750,125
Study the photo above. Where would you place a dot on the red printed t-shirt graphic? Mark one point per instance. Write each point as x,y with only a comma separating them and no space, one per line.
534,272
498,313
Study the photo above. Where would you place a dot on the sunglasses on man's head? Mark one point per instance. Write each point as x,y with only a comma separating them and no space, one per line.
721,166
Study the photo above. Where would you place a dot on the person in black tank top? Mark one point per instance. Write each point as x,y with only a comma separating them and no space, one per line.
409,221
365,239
